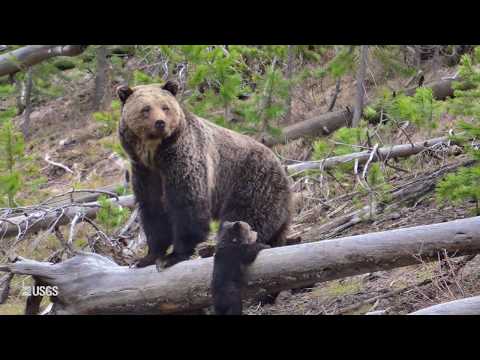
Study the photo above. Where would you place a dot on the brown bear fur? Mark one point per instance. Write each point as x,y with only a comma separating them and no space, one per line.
187,171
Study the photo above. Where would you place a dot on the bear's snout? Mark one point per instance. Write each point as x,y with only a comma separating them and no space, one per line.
160,124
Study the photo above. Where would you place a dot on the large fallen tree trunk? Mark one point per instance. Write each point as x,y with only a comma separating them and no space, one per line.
92,284
393,151
320,125
441,89
467,306
26,56
327,123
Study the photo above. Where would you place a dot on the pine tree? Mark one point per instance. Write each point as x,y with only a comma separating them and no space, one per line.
17,170
465,184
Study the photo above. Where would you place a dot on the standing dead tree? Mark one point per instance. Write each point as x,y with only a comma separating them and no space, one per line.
289,75
101,97
359,102
28,103
92,284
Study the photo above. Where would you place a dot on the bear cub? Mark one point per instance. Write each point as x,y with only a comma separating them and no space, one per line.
236,247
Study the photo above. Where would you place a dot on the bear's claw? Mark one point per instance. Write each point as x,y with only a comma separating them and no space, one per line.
146,261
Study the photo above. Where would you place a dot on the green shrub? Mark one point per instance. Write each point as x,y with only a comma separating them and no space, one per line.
64,64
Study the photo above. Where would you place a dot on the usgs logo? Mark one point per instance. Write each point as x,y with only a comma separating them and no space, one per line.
40,291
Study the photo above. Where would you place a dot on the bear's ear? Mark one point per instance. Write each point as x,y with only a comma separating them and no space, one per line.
226,224
123,92
237,226
171,86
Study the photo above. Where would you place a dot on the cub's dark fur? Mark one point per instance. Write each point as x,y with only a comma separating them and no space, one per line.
236,247
187,171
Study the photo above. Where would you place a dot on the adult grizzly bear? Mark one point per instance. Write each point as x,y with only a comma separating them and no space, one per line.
187,171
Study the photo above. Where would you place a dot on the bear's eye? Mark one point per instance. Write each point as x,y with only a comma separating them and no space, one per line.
165,108
146,109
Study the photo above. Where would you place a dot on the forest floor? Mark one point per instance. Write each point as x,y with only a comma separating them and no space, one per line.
405,289
62,130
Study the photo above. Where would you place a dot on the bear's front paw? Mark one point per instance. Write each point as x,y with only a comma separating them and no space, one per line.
171,260
148,260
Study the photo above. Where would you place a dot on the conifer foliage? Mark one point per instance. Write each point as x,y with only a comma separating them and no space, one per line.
465,184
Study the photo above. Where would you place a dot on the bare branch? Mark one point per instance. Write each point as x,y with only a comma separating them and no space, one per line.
66,168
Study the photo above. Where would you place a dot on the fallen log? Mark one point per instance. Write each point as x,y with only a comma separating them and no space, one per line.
467,306
26,56
321,125
393,151
441,89
92,284
84,195
327,123
405,194
59,215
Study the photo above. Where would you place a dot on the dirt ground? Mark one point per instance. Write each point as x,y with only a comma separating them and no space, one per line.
424,285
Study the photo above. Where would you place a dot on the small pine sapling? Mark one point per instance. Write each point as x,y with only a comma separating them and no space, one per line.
110,215
15,165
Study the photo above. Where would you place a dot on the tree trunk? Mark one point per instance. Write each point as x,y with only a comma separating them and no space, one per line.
101,98
28,103
335,95
418,56
467,306
357,114
20,95
392,151
436,59
26,56
92,284
289,75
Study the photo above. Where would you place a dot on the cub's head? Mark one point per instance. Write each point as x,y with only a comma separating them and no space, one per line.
236,234
151,112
